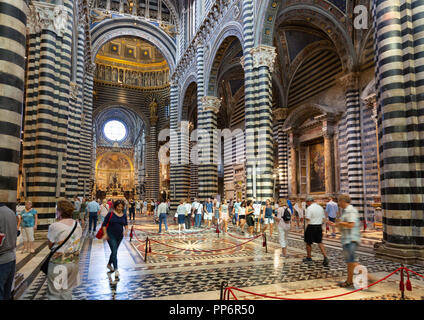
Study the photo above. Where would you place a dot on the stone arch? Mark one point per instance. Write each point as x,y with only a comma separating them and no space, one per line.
301,113
115,104
113,28
232,31
316,16
369,90
191,78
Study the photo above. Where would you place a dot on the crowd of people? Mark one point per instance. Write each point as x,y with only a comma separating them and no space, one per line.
247,216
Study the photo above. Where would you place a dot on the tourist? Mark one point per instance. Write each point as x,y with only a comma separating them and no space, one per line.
230,208
28,220
144,209
283,219
93,209
224,215
181,213
331,210
82,213
104,210
163,215
257,206
132,209
126,206
250,217
299,213
236,208
65,261
216,211
313,234
242,216
8,236
138,207
268,219
349,226
77,205
208,211
152,207
110,204
188,214
117,228
197,210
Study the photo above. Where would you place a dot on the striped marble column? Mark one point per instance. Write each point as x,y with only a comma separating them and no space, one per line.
86,151
353,141
207,139
281,137
399,48
152,162
76,105
179,144
13,19
249,91
263,65
47,105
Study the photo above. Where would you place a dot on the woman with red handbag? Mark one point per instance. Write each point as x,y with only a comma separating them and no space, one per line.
115,227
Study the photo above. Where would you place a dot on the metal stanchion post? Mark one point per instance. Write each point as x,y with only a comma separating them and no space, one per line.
402,286
145,251
223,285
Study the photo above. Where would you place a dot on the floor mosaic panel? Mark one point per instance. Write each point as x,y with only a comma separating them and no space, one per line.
172,272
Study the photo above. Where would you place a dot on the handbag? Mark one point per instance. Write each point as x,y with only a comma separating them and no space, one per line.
100,233
45,266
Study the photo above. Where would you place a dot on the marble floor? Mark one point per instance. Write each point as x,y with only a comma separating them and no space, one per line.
193,264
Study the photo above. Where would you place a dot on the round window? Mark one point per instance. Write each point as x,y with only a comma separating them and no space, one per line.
115,130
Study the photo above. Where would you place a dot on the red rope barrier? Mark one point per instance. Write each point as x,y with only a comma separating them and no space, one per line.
172,235
322,298
414,272
213,250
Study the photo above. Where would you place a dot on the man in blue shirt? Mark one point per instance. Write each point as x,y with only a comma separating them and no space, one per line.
208,209
331,210
349,226
93,209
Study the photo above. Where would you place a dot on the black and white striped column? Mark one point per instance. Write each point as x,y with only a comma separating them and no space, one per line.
250,110
281,137
399,52
263,65
47,105
207,139
13,18
179,153
152,162
353,141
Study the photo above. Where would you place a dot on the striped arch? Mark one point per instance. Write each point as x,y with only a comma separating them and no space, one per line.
111,105
271,17
228,34
187,82
117,27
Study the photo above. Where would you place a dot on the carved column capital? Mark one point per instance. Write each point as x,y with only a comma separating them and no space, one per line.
350,81
280,113
264,56
211,103
293,138
371,102
46,16
91,69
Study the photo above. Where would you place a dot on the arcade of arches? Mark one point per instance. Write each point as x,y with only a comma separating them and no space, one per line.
230,99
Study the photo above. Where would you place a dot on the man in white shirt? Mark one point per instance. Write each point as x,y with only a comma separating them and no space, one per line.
162,215
315,217
197,208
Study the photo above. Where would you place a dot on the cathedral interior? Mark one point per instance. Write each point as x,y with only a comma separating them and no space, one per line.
229,99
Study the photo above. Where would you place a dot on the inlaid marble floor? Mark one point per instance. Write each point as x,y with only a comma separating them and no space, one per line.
177,269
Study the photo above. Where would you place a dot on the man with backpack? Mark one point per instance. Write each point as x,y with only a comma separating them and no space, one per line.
283,219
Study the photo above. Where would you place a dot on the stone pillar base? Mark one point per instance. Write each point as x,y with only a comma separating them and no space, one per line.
405,254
